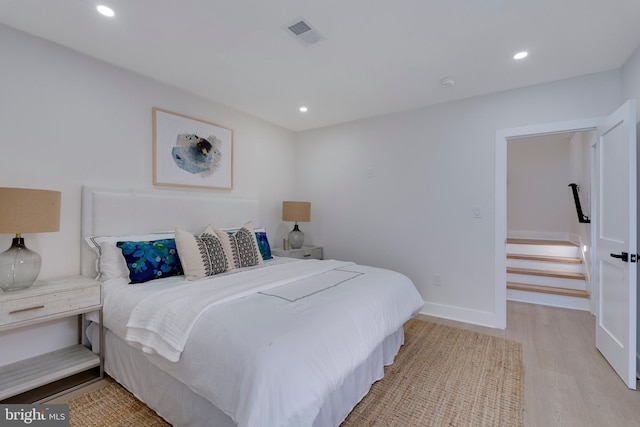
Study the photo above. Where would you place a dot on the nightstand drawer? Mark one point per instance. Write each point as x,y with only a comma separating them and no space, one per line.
314,253
24,306
305,252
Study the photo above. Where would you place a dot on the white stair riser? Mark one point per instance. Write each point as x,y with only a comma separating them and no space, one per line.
548,299
544,250
547,281
545,265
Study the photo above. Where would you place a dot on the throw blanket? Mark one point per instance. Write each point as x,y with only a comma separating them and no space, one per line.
161,323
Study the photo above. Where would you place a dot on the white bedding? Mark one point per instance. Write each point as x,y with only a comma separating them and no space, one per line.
161,322
269,358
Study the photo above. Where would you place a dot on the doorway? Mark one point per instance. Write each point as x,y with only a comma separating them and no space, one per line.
502,136
614,234
548,237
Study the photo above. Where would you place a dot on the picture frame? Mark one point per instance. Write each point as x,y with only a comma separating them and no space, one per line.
189,152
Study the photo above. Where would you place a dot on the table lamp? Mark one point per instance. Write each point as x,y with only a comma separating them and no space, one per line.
296,211
24,210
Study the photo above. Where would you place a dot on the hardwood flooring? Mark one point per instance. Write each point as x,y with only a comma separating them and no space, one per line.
567,381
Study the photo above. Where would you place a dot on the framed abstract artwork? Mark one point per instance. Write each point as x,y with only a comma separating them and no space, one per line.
188,152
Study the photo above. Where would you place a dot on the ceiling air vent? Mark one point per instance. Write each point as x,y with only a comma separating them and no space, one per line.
304,32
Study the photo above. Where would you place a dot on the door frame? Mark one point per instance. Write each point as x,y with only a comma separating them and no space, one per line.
502,136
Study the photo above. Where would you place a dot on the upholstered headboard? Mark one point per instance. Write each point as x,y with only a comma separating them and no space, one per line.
109,212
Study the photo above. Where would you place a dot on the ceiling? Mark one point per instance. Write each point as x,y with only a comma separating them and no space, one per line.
376,57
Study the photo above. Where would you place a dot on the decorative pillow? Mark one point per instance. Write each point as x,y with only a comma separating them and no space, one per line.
110,263
261,240
263,245
202,255
242,246
148,260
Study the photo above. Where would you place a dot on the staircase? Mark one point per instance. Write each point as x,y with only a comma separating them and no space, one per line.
546,272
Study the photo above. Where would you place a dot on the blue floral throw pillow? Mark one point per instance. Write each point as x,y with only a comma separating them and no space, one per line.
263,245
150,260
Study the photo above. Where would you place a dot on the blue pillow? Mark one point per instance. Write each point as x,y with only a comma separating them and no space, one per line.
263,245
151,259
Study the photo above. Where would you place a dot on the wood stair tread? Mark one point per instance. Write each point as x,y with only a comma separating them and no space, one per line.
548,290
546,273
541,242
558,259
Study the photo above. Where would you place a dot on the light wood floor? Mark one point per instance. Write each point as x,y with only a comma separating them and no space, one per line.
567,381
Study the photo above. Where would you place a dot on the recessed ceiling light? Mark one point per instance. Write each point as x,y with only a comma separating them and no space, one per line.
105,10
304,109
521,55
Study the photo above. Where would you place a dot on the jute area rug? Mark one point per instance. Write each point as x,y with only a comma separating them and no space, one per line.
442,376
445,376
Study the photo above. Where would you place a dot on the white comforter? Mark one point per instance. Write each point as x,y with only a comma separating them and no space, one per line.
161,323
271,356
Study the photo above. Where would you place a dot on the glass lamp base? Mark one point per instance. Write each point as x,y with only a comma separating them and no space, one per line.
19,266
296,238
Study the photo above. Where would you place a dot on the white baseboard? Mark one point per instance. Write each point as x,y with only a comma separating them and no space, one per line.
481,318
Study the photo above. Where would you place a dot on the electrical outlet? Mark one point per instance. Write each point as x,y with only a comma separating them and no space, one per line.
477,212
437,279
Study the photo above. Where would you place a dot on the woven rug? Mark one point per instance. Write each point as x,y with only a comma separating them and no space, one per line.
442,376
445,376
111,406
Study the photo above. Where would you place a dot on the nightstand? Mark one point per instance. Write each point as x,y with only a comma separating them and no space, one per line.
305,252
43,302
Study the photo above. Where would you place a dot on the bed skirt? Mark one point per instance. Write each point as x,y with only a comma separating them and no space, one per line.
180,406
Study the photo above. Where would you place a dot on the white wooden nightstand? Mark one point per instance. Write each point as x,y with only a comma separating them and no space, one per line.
305,252
43,302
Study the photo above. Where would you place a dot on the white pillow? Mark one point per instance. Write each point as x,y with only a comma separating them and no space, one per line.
242,246
203,255
261,240
111,264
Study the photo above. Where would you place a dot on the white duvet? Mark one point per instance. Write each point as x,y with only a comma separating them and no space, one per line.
161,323
270,353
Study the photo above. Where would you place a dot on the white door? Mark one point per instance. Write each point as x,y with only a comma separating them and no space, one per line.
616,241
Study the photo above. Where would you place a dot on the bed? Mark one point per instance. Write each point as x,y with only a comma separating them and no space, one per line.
268,342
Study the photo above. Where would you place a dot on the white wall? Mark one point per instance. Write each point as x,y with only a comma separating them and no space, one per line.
630,72
581,167
581,144
69,120
539,200
397,191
